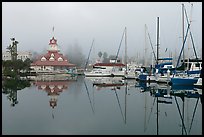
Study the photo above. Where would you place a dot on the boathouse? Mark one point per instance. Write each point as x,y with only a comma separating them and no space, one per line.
53,61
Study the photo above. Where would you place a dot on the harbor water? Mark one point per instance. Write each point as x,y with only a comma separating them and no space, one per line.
82,107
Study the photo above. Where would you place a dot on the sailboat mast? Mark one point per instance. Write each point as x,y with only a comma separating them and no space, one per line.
183,33
145,49
89,55
151,44
126,48
157,40
189,38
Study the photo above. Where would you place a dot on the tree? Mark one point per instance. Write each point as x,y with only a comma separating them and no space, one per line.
34,55
13,68
75,56
105,57
27,63
13,49
112,56
100,54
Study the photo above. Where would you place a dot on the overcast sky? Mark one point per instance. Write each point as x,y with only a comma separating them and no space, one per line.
31,24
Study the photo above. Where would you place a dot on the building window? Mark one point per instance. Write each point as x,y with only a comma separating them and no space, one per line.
60,59
43,59
51,59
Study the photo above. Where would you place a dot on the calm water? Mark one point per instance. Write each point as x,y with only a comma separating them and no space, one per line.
79,107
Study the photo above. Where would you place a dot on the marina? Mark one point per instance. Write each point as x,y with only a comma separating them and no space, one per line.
55,83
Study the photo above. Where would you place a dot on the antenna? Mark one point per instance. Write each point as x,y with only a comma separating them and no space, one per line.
53,28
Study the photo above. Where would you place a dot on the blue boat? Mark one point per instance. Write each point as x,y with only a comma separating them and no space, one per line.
181,87
183,81
192,67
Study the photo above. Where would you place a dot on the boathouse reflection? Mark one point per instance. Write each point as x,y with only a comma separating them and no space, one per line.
53,89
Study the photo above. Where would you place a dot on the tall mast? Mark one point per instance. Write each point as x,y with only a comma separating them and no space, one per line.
126,48
183,32
189,38
157,40
145,49
89,55
151,45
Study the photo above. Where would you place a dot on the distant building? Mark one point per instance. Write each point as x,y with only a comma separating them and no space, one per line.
21,55
52,61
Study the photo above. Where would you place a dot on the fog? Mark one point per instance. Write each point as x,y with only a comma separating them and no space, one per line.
78,23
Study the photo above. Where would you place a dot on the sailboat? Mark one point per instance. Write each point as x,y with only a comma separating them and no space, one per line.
114,68
164,66
106,70
150,76
190,76
131,68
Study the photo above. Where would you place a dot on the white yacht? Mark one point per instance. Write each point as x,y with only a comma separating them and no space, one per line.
106,70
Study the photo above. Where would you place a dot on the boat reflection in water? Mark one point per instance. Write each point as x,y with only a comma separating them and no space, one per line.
10,87
186,93
182,96
113,84
164,96
107,82
104,105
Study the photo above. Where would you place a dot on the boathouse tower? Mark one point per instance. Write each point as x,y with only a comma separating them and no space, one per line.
53,61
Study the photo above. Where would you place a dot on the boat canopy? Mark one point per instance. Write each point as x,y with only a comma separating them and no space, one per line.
161,65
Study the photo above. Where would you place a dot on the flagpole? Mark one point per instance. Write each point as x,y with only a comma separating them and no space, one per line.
53,31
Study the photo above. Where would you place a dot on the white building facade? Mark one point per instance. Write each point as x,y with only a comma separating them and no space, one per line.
21,55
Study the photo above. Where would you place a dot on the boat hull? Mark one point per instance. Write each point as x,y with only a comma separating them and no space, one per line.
97,74
183,81
147,78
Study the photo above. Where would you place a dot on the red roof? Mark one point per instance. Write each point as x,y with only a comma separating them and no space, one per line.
110,64
64,85
56,54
